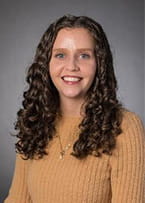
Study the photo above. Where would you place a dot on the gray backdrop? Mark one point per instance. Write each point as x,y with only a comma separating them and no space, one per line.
22,24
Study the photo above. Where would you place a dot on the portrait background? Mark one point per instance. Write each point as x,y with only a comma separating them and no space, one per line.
22,24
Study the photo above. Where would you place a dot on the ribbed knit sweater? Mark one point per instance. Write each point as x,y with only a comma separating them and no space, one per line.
119,178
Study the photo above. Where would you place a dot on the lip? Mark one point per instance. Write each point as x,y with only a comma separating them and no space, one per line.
71,76
71,82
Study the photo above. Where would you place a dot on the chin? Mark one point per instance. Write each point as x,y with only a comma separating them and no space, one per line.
73,96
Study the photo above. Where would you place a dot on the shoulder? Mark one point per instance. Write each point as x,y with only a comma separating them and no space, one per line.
131,121
131,141
21,160
132,137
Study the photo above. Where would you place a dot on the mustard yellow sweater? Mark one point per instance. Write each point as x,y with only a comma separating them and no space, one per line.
119,178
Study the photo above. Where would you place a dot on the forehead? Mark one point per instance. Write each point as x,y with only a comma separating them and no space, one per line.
74,38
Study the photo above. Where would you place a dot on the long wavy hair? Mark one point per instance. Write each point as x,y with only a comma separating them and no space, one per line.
100,125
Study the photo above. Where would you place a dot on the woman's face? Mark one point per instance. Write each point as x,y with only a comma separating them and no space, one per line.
72,65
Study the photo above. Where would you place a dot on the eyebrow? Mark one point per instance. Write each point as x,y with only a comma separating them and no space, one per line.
80,49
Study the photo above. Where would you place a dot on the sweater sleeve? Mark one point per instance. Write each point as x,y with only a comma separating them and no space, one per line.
128,162
18,191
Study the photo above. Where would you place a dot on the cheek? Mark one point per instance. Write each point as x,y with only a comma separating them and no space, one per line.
53,69
90,71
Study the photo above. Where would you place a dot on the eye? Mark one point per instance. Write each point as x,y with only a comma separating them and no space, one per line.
85,56
59,55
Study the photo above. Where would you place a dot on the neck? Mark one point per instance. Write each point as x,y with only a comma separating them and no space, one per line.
71,107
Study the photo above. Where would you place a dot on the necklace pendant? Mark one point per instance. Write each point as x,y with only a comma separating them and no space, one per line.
62,154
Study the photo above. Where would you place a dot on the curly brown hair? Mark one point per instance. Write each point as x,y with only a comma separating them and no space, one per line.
36,119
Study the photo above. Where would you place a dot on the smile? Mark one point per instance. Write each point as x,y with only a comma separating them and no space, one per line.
71,79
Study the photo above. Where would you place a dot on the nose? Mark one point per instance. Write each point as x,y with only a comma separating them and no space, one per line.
72,65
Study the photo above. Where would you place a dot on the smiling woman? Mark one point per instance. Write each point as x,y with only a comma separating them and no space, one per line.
73,66
76,142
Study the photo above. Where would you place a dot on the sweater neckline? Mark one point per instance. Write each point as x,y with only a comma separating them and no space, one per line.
68,120
69,117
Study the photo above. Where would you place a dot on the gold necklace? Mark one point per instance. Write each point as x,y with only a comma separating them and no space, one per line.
63,150
72,134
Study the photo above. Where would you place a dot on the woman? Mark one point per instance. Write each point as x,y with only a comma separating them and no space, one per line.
77,143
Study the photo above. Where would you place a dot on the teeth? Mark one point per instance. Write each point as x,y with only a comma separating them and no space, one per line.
71,79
